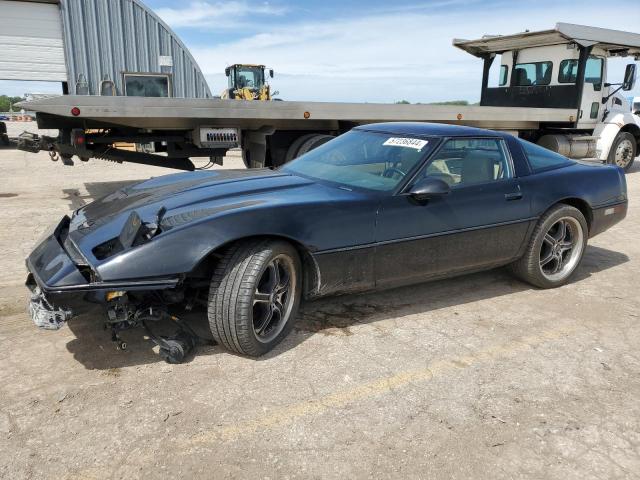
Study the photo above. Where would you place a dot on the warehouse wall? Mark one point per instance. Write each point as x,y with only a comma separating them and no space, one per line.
109,37
31,42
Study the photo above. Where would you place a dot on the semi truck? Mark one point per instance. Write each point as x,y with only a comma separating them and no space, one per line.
552,89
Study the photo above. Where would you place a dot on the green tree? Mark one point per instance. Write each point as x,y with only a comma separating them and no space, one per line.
5,101
451,102
403,102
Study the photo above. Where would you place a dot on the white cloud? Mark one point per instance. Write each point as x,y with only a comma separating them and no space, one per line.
202,14
402,55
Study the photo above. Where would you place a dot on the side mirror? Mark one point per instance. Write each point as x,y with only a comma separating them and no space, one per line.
629,77
227,71
271,73
429,187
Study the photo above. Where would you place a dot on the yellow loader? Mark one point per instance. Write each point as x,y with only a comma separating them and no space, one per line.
247,82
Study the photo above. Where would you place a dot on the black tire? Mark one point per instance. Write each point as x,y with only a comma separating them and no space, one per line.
234,290
529,267
313,142
623,151
306,143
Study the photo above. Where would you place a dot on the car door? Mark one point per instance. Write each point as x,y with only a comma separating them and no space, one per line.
482,222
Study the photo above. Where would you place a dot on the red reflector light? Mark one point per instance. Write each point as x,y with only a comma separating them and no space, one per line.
75,111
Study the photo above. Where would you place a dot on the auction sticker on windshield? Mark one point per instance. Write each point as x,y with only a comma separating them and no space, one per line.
406,142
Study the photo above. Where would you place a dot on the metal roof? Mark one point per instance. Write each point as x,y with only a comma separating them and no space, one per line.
614,42
112,37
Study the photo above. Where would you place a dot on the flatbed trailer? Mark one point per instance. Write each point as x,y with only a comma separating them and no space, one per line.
552,90
252,126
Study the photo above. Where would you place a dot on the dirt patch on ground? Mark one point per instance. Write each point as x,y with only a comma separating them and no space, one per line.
448,380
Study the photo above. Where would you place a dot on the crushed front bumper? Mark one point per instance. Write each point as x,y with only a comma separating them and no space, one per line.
45,315
60,286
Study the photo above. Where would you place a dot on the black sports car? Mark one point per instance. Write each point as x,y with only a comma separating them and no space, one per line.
380,206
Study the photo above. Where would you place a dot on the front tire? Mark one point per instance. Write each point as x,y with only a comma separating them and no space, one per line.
623,151
254,296
555,249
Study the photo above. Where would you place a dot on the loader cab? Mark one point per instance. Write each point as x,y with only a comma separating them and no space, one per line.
247,82
561,68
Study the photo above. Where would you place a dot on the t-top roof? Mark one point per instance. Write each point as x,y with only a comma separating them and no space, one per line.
615,42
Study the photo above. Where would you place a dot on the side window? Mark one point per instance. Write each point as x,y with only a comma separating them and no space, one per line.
593,72
541,158
468,161
568,72
146,85
504,71
526,74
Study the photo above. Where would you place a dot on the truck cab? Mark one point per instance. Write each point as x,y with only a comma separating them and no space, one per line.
566,68
546,77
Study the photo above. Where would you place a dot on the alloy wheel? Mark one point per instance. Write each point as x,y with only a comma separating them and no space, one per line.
561,248
273,298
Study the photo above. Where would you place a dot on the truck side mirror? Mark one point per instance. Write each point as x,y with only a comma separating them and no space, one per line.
227,71
629,77
271,73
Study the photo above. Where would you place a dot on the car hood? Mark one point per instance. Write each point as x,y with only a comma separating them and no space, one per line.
178,199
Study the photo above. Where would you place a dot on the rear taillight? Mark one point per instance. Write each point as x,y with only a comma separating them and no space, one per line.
78,138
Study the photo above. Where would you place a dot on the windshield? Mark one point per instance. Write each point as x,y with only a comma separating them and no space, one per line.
249,77
376,161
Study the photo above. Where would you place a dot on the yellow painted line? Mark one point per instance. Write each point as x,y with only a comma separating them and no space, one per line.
317,406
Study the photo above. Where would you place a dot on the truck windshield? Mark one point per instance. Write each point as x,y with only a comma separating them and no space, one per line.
568,72
362,159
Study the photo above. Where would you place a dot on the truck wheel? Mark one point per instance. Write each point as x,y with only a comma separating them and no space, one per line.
254,296
555,248
305,144
314,142
292,151
623,151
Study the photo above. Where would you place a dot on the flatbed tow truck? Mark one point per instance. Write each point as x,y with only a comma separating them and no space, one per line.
552,89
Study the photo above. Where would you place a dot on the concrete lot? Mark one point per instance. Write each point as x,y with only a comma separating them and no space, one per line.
475,377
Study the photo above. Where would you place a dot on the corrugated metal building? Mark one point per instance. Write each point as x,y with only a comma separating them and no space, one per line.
108,47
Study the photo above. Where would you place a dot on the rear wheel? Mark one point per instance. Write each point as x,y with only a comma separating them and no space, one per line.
304,144
254,296
623,151
555,248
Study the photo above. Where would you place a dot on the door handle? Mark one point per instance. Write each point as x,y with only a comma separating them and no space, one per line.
513,196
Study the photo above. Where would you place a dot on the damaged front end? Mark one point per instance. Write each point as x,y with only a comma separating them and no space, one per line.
45,315
62,281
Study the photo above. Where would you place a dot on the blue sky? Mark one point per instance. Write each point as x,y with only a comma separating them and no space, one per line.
370,51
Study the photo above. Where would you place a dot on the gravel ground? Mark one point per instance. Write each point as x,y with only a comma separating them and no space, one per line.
475,377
